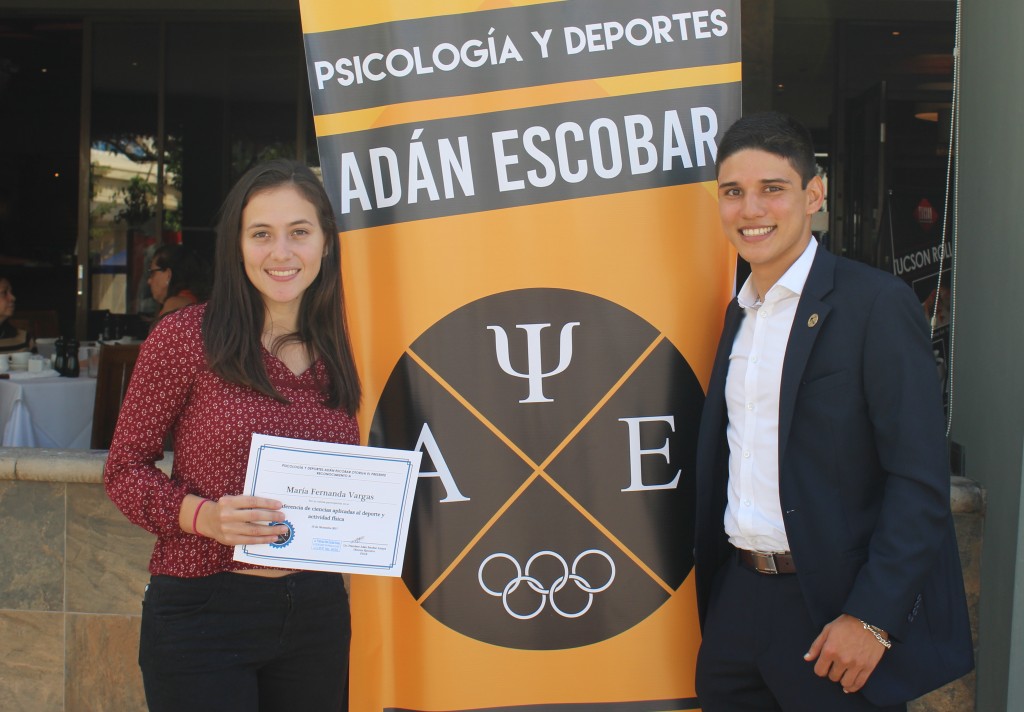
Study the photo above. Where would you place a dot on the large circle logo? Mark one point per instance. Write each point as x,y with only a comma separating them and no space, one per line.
554,506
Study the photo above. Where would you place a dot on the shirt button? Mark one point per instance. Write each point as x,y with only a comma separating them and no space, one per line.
762,313
746,454
750,406
753,359
746,503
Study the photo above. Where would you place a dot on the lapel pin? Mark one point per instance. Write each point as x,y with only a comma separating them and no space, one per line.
812,320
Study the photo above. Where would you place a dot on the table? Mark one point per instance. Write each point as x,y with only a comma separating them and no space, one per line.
47,411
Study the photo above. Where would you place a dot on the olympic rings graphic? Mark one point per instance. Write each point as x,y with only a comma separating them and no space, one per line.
547,595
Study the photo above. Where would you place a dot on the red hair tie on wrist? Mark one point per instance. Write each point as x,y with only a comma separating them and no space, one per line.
195,517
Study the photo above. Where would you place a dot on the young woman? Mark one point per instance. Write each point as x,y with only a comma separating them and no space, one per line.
269,353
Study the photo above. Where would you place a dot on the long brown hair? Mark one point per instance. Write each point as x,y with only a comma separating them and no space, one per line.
235,315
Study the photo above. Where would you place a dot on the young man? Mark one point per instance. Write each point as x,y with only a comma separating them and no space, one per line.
827,572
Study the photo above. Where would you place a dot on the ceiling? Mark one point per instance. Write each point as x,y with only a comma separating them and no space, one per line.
819,45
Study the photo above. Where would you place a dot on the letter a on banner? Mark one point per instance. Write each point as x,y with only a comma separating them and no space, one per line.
536,279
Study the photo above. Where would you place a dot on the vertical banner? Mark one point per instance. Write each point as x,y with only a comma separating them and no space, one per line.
536,278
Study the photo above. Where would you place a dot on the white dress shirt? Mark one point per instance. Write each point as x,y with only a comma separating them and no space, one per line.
753,516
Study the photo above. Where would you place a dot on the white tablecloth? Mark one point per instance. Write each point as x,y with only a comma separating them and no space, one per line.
48,411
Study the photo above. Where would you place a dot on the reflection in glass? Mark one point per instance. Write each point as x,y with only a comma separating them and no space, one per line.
181,109
123,204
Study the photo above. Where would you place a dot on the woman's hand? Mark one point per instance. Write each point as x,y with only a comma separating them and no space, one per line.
233,519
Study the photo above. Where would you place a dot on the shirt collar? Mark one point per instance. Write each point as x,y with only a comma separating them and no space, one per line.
793,280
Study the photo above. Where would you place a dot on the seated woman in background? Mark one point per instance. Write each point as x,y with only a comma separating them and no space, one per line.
178,277
11,337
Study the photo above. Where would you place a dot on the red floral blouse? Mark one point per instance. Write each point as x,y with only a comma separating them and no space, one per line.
213,421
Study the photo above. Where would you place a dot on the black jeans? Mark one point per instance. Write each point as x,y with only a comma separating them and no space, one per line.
232,642
751,659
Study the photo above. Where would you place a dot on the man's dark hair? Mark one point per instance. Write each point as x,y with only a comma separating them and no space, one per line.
774,133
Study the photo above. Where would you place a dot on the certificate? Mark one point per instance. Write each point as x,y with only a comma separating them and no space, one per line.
347,507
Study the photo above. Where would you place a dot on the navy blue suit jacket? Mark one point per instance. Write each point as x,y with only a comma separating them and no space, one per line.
863,474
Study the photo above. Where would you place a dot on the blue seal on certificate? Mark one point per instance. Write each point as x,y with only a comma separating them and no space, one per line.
285,539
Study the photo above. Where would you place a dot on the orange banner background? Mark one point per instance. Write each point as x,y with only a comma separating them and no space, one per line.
401,279
659,253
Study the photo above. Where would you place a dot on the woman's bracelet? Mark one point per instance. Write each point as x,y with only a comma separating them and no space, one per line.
875,631
196,519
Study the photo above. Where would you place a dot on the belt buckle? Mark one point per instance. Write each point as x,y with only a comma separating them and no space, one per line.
766,563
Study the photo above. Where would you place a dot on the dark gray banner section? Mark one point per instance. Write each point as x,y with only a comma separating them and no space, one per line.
456,55
537,155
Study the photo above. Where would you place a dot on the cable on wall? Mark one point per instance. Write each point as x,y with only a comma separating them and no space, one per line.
952,172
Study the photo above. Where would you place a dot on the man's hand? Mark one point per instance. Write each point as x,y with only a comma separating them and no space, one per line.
845,652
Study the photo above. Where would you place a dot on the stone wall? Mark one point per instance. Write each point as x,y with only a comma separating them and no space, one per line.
73,571
968,504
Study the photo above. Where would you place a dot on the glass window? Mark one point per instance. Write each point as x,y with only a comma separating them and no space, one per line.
40,100
179,111
124,166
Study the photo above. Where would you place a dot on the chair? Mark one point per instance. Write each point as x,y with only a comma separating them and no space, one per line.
40,324
116,363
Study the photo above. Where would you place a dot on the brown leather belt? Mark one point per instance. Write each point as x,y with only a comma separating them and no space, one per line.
764,563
